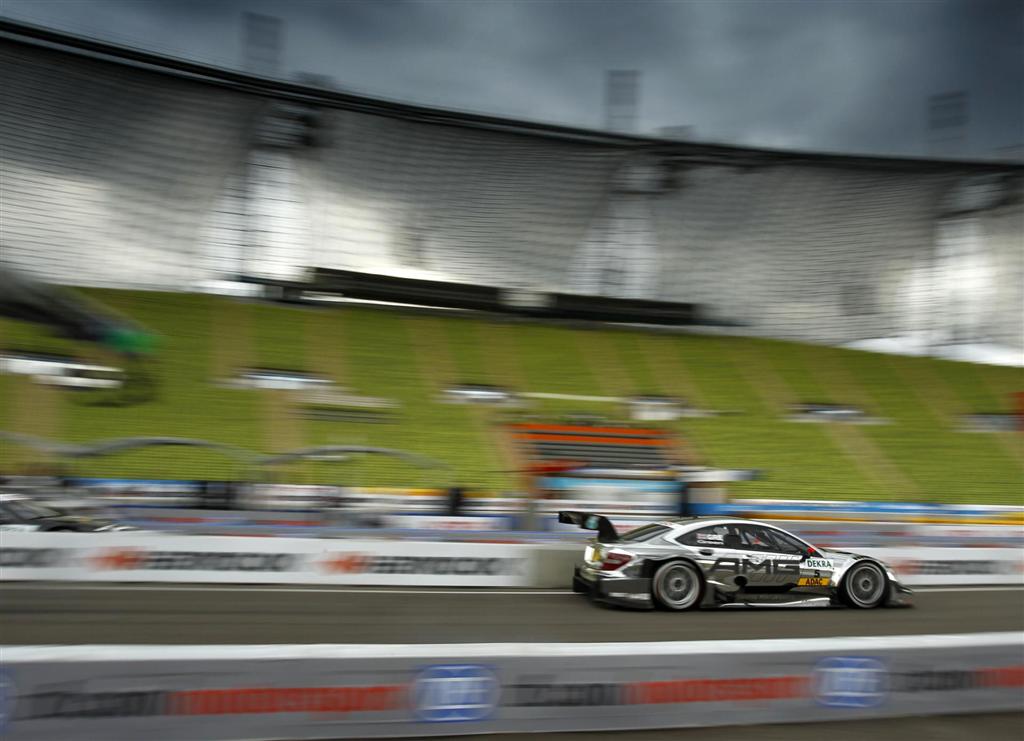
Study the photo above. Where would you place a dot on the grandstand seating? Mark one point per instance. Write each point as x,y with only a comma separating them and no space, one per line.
921,454
110,172
596,446
128,175
125,176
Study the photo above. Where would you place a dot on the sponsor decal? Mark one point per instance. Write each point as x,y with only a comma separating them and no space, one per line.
949,680
68,704
814,581
367,699
31,558
716,690
1002,676
365,563
121,559
230,701
456,692
670,691
819,563
766,569
850,682
565,694
716,538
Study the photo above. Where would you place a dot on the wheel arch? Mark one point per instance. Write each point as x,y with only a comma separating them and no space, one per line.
840,588
651,565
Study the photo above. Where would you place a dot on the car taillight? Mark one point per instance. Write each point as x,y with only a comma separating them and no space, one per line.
614,560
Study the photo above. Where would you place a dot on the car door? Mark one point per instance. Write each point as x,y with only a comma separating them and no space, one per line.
768,563
718,551
815,570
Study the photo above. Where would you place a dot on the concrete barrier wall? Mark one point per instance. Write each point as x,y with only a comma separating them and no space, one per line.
229,693
153,557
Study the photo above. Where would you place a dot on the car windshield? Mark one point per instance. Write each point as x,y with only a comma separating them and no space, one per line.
643,533
30,510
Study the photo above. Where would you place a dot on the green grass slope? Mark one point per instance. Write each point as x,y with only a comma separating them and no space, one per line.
921,454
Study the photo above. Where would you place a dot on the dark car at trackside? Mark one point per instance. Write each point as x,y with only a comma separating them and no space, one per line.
19,513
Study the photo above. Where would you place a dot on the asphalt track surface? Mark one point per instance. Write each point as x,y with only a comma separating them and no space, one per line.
35,614
990,726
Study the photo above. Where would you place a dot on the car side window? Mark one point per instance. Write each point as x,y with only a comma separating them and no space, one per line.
787,544
758,538
705,537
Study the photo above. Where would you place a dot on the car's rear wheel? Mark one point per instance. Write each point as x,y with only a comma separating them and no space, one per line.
677,585
578,585
864,586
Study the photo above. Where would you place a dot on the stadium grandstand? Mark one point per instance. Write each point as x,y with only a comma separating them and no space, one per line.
155,184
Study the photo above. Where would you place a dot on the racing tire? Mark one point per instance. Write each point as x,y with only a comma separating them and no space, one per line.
579,586
864,586
677,586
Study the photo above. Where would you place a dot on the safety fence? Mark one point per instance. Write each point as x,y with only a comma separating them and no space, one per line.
493,528
155,557
609,500
227,693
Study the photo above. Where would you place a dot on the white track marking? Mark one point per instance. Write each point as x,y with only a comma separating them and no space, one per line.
473,591
838,645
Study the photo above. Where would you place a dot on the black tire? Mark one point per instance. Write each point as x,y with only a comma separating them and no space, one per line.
677,586
864,586
579,586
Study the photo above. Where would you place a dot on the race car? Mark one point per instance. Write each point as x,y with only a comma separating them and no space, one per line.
694,562
18,513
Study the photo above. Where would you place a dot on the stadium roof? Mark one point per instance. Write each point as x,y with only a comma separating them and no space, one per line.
697,153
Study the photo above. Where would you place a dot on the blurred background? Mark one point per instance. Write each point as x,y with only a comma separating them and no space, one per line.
265,263
436,270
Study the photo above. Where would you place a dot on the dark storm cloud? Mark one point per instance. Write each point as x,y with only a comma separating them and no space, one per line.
835,75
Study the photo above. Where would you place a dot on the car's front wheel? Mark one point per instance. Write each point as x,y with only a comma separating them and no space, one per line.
864,586
677,585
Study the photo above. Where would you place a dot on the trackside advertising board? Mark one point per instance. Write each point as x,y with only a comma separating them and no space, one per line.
147,557
152,557
952,566
230,693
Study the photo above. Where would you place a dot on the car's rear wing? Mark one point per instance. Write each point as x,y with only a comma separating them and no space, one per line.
589,521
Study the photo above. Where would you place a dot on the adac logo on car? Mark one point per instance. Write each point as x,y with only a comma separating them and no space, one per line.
850,682
455,692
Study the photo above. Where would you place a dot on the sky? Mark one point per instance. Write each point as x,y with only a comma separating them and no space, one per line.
830,75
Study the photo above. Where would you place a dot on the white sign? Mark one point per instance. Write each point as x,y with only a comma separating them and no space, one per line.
938,566
147,557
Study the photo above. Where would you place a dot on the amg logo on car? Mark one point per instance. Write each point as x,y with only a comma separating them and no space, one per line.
781,571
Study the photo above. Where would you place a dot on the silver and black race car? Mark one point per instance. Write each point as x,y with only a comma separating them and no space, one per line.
697,562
